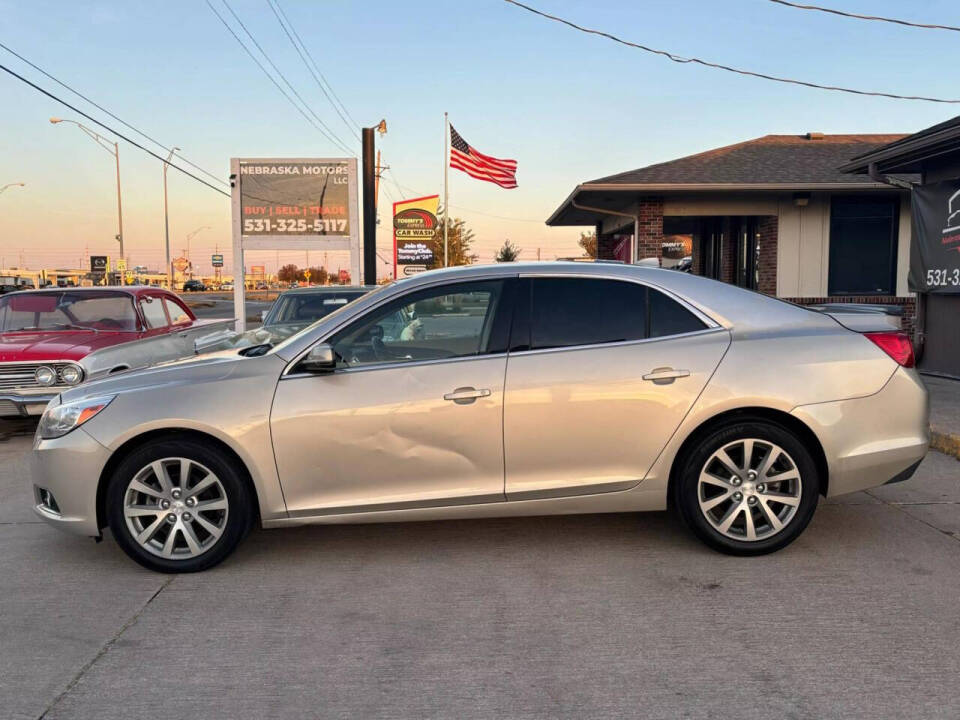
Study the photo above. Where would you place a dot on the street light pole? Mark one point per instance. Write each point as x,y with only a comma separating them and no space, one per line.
166,221
106,145
8,185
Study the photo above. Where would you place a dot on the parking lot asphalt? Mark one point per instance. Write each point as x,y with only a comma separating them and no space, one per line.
578,616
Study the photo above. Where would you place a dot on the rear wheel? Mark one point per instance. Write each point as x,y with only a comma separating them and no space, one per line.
748,488
178,506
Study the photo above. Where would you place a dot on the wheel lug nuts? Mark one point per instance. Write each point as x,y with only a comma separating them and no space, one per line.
761,488
191,501
751,500
187,517
737,496
176,493
736,481
164,504
171,518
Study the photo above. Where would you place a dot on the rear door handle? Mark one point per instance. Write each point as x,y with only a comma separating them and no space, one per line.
665,375
466,395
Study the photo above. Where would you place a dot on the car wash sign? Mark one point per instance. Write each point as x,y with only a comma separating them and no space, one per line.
935,246
414,225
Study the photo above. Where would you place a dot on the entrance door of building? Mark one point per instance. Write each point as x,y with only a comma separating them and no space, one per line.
941,345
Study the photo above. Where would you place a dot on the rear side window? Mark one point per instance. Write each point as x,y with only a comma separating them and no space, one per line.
668,317
584,311
567,312
178,313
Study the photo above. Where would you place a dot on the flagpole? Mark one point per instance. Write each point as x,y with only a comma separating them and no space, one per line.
446,184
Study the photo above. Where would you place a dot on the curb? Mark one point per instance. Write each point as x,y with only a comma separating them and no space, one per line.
947,443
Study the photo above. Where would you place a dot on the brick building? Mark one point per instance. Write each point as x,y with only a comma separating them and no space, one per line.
774,214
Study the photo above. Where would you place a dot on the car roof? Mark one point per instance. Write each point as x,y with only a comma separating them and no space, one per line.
126,290
328,289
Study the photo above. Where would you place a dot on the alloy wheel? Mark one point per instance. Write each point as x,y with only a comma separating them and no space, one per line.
749,489
175,508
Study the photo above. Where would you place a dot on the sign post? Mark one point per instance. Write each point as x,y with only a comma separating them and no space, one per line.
292,204
414,225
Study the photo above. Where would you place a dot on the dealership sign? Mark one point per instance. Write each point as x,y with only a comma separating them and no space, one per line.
935,246
216,260
414,225
293,204
99,264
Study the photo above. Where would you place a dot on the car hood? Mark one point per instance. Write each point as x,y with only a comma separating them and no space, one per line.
230,339
60,345
194,370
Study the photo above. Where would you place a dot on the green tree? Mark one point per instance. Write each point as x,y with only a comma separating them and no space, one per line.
588,241
508,252
459,240
319,276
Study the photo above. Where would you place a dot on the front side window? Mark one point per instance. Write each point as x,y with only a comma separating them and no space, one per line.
437,323
570,312
153,312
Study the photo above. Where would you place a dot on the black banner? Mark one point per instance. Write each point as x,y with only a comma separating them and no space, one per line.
935,245
98,263
295,198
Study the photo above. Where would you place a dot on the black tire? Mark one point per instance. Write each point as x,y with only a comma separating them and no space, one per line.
239,516
686,499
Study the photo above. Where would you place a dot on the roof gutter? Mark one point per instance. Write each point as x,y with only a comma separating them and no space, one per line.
636,225
877,176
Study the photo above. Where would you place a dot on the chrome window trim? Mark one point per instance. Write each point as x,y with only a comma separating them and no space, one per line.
621,343
496,274
699,314
288,370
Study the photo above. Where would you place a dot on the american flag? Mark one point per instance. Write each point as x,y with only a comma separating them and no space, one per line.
482,167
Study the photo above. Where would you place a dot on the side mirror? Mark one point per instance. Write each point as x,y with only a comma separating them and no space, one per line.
320,359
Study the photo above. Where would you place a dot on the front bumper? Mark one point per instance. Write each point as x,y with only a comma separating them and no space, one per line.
68,469
872,440
24,404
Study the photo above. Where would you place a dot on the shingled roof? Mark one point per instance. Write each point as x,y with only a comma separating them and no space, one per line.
775,159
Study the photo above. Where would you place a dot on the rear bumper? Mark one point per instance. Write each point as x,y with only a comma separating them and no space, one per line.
24,404
872,440
68,468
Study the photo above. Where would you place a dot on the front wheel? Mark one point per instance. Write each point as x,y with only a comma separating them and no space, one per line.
748,489
178,506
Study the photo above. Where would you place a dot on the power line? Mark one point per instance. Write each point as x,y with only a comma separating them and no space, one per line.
684,60
272,79
110,129
866,17
284,78
103,109
310,69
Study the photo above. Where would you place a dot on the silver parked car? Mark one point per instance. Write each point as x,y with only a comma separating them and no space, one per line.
516,389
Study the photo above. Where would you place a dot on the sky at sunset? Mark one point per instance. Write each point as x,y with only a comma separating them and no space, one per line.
568,107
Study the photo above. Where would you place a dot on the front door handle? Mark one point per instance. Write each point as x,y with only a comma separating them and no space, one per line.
466,395
665,375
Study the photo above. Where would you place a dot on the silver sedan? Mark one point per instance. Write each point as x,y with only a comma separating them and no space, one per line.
517,389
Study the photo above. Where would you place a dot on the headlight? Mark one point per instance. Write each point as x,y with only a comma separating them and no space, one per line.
58,420
45,376
71,374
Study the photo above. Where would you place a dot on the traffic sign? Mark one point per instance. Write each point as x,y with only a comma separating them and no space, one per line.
121,265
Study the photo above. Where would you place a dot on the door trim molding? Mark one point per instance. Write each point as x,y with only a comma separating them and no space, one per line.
403,505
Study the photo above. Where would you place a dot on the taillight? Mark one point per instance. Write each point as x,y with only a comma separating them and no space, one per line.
895,344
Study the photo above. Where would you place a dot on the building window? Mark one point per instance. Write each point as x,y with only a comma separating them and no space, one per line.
863,246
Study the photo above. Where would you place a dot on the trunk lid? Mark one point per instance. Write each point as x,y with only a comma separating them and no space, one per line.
863,318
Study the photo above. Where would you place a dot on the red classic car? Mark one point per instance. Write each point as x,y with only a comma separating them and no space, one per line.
53,339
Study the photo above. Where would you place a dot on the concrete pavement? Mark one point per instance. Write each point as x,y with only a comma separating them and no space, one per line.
944,414
580,616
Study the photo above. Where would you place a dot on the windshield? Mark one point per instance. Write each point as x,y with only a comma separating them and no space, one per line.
307,308
68,310
336,310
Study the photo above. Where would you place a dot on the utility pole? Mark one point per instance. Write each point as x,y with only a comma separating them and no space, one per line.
166,221
370,205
